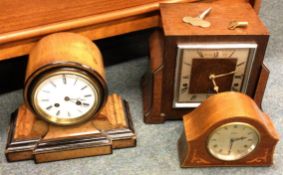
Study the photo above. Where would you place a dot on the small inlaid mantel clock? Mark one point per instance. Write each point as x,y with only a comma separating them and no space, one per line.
189,63
227,129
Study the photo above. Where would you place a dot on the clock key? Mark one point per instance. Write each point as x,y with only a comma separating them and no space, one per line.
199,20
235,24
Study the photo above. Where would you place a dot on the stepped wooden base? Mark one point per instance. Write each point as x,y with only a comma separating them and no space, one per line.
31,138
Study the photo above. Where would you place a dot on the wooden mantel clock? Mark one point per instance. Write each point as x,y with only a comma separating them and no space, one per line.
184,57
228,129
67,111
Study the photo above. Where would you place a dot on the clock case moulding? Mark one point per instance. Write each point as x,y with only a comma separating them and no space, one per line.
158,83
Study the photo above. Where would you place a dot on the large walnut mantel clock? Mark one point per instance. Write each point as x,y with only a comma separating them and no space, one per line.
188,63
67,112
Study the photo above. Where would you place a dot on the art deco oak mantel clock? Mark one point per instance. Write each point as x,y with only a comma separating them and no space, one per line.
67,111
189,63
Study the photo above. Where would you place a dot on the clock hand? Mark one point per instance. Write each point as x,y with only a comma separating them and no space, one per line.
230,146
240,138
212,77
232,142
215,87
223,75
77,99
73,99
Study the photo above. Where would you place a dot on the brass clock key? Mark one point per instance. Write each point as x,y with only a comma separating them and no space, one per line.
199,20
235,24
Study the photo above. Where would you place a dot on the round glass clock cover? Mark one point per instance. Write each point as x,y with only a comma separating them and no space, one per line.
66,97
233,141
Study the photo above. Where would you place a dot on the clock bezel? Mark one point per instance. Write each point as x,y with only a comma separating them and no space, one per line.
252,46
66,121
255,130
63,65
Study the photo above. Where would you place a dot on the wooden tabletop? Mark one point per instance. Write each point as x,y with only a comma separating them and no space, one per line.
23,14
24,22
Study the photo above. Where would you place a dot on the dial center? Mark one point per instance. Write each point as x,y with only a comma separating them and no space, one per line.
67,98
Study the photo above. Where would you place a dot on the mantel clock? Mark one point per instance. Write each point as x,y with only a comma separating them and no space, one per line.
67,112
190,63
227,129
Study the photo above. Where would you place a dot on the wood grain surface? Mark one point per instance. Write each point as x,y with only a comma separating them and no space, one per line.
23,23
219,17
65,47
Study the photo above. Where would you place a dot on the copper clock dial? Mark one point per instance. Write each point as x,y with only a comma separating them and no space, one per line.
230,64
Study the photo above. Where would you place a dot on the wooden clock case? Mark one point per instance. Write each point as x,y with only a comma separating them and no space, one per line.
199,124
32,137
158,82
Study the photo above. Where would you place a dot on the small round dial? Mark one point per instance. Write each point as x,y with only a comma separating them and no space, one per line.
65,97
233,141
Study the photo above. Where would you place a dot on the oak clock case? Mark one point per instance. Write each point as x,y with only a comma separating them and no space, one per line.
67,112
188,64
227,129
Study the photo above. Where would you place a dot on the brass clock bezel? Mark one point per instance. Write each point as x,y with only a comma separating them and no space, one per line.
252,46
83,70
228,124
65,121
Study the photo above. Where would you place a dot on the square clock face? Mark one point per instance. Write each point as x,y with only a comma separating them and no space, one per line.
203,69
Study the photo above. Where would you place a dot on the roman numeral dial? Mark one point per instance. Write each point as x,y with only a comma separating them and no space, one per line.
66,95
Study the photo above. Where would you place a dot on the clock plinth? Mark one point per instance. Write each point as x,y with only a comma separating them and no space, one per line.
32,138
228,129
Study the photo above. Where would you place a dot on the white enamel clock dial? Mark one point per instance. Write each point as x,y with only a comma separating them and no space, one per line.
229,63
65,95
233,141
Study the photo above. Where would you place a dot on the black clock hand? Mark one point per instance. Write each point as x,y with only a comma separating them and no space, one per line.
77,101
230,146
240,138
232,142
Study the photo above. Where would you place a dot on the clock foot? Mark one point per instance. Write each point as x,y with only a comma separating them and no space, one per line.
151,82
111,129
